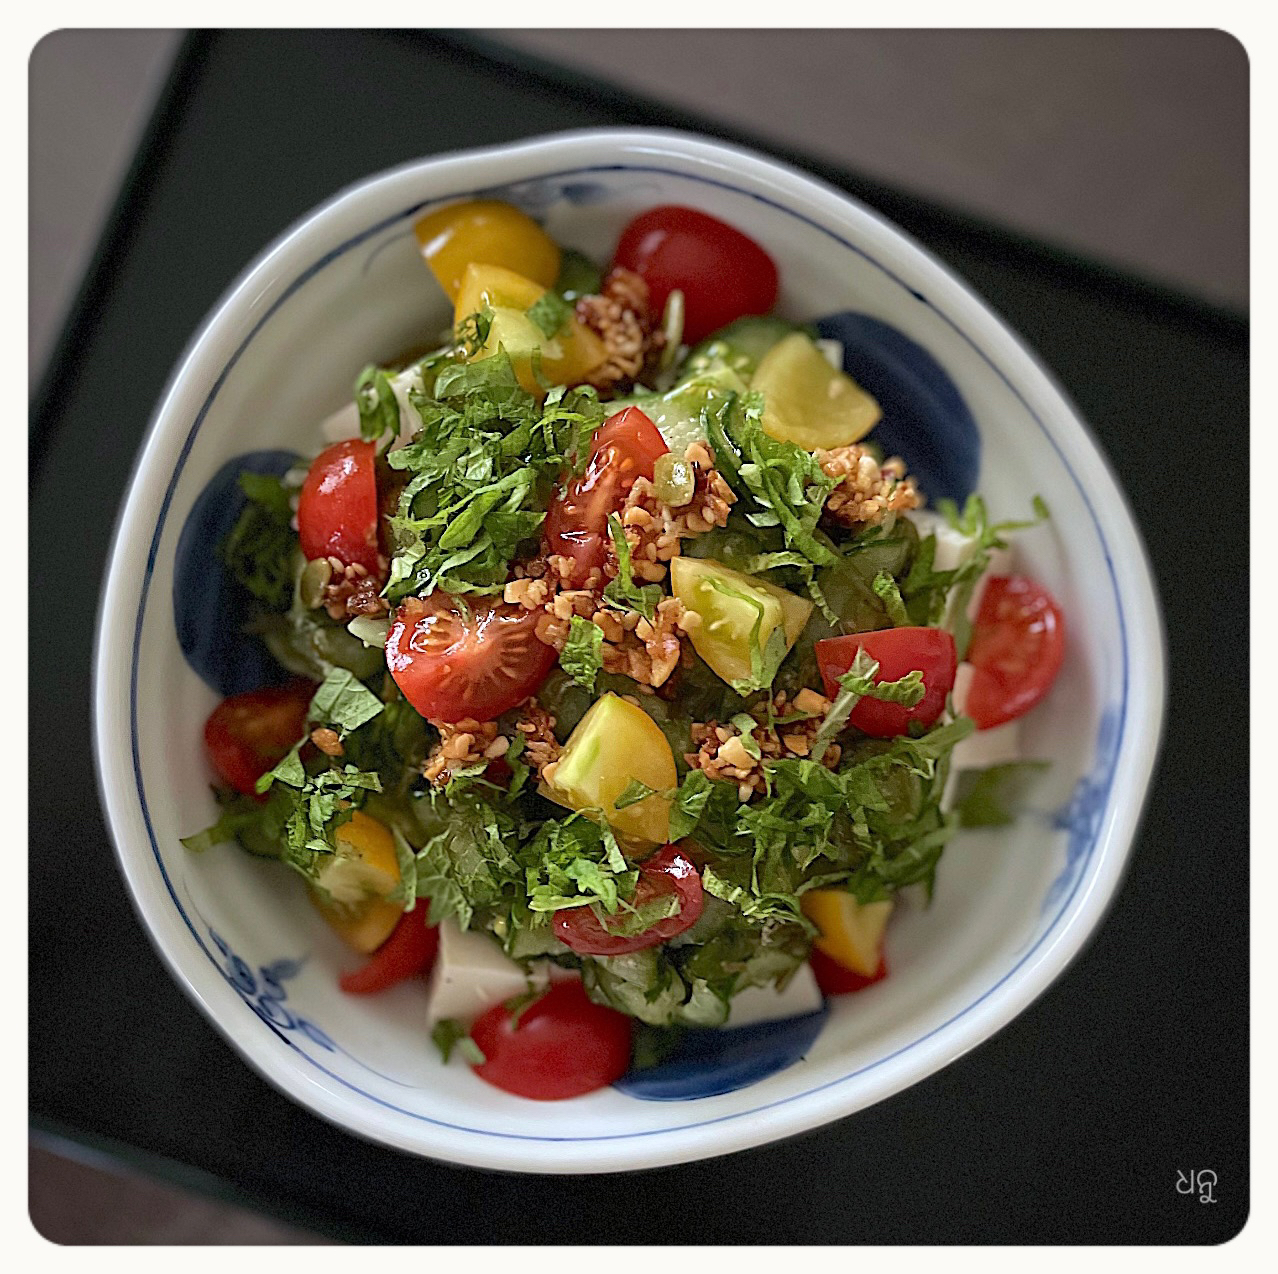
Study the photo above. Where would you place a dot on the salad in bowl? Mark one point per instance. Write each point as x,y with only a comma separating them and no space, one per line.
620,684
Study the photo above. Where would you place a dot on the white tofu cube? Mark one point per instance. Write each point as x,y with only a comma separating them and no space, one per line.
767,1004
344,423
1000,563
981,749
471,973
831,351
953,549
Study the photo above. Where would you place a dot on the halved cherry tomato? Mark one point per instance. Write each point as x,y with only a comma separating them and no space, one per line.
899,651
248,733
478,662
562,1045
625,447
337,509
834,979
409,951
666,872
722,273
1018,643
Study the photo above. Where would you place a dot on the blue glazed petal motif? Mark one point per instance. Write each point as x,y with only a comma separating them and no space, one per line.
540,194
1080,816
265,993
925,420
708,1062
210,609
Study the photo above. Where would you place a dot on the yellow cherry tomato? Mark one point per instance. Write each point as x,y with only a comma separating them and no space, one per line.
487,231
567,358
851,931
808,402
613,743
351,887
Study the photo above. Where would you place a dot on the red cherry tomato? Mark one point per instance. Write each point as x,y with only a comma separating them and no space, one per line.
478,663
834,979
248,733
625,447
722,273
1018,642
409,951
337,509
562,1045
666,872
899,651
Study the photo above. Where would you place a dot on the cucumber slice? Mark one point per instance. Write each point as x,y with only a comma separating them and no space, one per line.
677,413
741,345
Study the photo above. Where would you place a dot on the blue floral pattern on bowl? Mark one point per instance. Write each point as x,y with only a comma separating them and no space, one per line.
708,1062
1080,816
264,991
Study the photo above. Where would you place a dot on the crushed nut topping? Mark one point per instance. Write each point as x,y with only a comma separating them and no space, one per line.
541,748
622,317
654,528
723,754
352,591
328,741
461,744
867,490
646,652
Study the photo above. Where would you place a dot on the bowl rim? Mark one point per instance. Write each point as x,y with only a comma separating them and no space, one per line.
136,537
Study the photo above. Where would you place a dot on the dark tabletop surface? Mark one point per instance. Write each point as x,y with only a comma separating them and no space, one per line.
1070,1125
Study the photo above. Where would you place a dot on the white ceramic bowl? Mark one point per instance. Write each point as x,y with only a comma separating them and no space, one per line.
280,351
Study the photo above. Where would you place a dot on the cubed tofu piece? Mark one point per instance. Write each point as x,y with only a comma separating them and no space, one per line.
981,749
953,549
767,1004
344,423
471,973
1000,563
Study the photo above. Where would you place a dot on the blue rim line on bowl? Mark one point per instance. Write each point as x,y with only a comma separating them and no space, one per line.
362,237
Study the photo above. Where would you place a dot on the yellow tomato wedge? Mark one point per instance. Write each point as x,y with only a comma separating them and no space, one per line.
808,402
488,231
352,886
738,614
851,931
567,358
613,743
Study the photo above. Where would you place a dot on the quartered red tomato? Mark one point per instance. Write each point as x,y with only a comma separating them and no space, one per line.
667,872
476,662
625,447
899,651
1018,643
722,273
248,733
561,1045
337,509
409,951
834,979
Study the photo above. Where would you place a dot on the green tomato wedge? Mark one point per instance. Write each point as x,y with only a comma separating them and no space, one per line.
739,615
614,743
808,402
